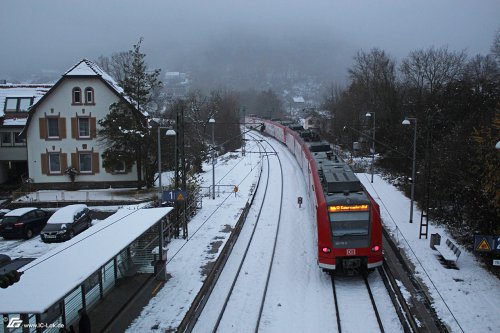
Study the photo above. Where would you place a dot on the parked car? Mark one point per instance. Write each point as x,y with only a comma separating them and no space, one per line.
3,212
65,223
4,260
23,222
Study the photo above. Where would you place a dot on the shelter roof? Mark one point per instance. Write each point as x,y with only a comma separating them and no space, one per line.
51,277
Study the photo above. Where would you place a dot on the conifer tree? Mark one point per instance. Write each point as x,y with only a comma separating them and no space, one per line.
126,132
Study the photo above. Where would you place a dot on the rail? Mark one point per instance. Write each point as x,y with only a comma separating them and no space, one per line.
244,257
372,302
188,322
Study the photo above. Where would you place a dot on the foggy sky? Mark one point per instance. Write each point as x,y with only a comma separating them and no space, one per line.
52,35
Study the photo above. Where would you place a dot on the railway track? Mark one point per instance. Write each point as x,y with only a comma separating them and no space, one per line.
226,317
354,301
249,264
236,299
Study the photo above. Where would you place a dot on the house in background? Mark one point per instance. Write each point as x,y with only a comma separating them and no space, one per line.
176,84
15,100
61,131
317,120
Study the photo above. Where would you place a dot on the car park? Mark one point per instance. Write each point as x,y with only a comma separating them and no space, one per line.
23,222
67,222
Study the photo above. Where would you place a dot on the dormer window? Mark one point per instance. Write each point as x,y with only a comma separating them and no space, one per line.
77,95
17,104
89,95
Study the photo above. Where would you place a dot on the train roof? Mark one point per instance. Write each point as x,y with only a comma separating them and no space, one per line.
319,146
354,198
340,178
309,136
296,127
335,174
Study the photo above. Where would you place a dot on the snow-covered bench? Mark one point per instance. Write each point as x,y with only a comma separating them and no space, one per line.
449,252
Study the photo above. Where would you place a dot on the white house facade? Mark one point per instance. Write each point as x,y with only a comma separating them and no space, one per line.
61,131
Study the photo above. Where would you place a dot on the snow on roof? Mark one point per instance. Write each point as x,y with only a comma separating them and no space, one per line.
298,99
20,211
14,122
65,267
88,68
65,214
35,91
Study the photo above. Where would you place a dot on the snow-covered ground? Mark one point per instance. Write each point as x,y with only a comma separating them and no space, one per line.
467,299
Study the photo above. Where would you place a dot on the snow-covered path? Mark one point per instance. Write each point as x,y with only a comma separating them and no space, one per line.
467,299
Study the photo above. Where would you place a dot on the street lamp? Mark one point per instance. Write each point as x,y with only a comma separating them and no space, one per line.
407,122
212,121
369,114
169,132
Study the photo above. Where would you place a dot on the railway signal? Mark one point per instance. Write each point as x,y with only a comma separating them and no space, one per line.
299,201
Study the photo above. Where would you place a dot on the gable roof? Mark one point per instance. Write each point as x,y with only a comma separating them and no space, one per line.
85,69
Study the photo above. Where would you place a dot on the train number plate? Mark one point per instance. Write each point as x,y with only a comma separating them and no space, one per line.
351,252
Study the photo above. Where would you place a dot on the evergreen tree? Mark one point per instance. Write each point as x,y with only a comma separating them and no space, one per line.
126,133
138,82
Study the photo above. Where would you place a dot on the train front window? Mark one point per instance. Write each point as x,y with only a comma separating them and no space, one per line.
350,223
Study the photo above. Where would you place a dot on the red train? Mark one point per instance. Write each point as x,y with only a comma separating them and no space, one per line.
349,230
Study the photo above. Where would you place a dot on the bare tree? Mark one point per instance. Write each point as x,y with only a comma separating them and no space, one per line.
483,72
430,70
495,47
116,64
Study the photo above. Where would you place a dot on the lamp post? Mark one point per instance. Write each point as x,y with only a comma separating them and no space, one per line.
172,132
407,122
212,121
160,265
369,114
169,133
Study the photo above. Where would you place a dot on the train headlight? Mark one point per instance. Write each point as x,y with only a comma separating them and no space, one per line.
375,248
326,250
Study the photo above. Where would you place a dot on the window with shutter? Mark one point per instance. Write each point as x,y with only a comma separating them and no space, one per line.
95,163
45,164
53,128
83,127
55,163
85,162
43,128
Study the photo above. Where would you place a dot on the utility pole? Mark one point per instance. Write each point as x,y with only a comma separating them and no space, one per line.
212,121
180,172
244,142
